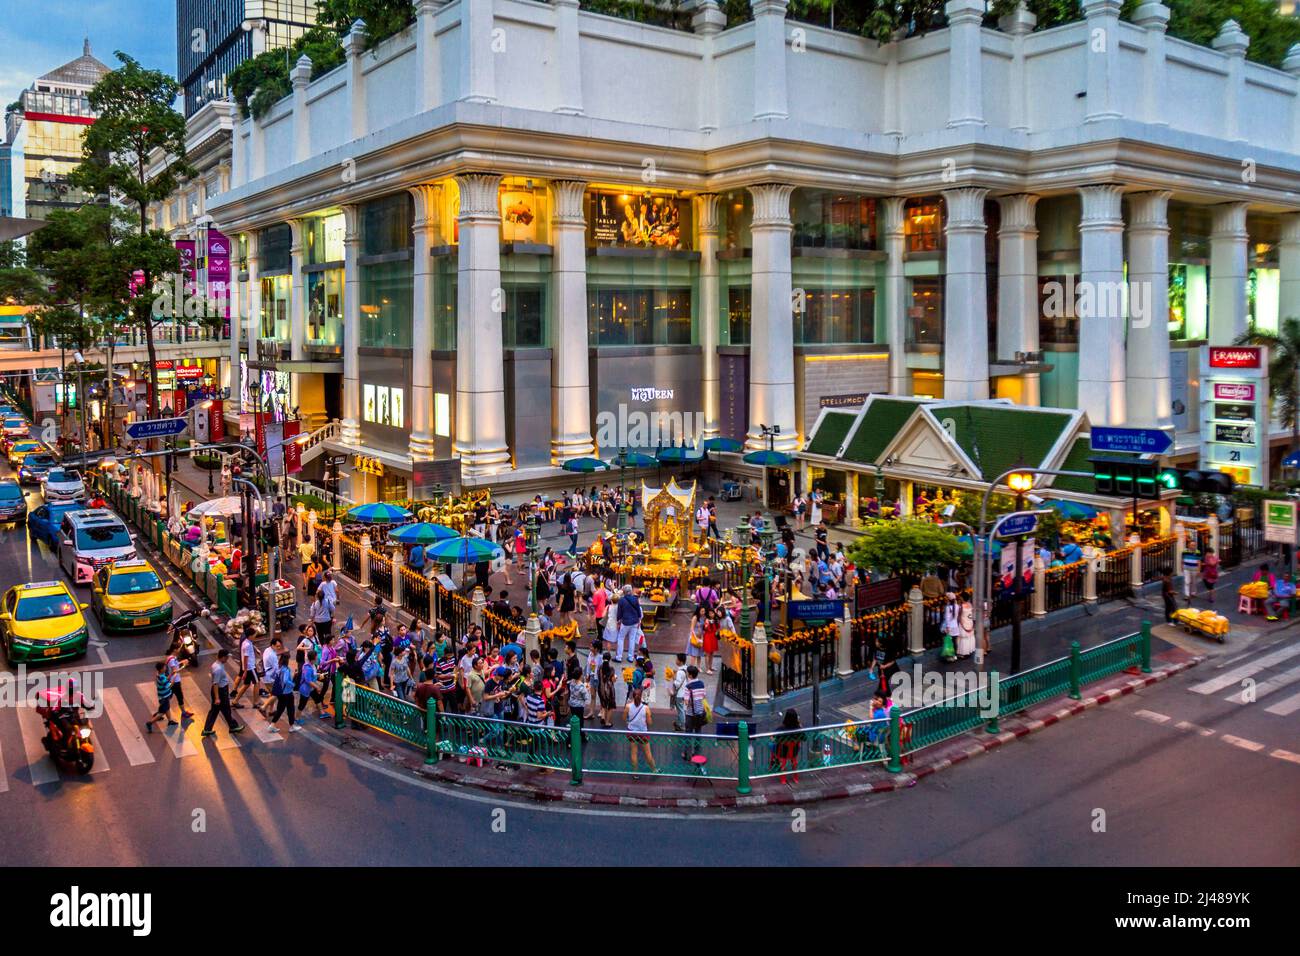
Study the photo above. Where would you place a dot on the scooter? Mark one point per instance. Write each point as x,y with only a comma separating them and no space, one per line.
183,627
67,731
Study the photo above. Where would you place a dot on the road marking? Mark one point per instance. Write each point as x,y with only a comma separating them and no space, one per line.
1196,728
1246,670
1284,708
1285,755
262,728
175,737
1267,687
4,780
40,765
1241,742
224,739
129,734
1152,716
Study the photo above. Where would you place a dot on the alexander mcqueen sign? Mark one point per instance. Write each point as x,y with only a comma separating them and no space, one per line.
1244,356
1234,391
649,394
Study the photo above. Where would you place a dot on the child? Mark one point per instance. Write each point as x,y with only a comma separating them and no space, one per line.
162,684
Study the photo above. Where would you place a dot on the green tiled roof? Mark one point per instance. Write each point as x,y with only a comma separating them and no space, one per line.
830,434
881,422
1077,460
999,438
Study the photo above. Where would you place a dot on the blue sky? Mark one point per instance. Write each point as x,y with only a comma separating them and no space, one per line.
38,35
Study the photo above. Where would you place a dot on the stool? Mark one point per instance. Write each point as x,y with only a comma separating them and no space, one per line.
1249,605
700,760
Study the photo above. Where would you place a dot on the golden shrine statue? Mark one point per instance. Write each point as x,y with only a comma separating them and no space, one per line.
669,515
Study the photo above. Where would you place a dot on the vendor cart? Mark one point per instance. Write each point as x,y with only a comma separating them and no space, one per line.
731,491
285,598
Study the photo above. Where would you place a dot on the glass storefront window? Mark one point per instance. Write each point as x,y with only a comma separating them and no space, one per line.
1058,320
824,218
445,306
524,210
273,244
739,315
639,316
925,316
324,236
736,212
523,326
325,307
836,317
387,303
386,225
923,225
276,292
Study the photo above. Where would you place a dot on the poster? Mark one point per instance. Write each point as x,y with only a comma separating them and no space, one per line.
1179,402
368,403
629,220
292,450
270,443
396,411
217,420
1007,559
518,216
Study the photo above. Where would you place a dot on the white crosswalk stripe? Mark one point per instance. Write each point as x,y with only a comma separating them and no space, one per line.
1264,688
198,699
176,739
129,733
1246,670
1285,708
4,779
262,728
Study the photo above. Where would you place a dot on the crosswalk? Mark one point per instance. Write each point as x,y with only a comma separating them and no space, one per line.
1244,687
121,727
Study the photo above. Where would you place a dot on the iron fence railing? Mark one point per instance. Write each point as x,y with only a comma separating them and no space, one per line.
794,662
1114,575
381,575
739,684
415,594
880,631
350,555
1065,585
1157,558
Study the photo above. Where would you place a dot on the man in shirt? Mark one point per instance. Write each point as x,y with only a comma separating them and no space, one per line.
629,622
693,696
475,687
220,697
270,662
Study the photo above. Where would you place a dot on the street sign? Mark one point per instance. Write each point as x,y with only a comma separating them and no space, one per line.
816,610
1280,522
1142,441
156,428
1016,524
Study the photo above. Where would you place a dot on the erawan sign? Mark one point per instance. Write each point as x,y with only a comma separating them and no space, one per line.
1235,357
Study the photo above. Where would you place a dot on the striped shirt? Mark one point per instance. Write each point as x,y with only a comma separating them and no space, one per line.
535,709
163,684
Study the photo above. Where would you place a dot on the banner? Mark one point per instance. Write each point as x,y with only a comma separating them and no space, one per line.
292,450
216,421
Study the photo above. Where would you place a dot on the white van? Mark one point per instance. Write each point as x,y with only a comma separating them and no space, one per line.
90,539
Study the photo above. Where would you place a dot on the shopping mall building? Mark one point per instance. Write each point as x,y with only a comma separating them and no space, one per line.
516,231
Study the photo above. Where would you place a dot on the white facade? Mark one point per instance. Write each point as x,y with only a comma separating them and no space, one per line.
1114,120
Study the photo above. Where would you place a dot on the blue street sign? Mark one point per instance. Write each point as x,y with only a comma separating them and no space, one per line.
816,610
1016,524
1141,441
156,428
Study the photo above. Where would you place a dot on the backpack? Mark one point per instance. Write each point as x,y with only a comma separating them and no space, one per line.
278,687
370,667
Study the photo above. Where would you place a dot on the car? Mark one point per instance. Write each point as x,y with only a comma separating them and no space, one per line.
15,428
35,467
22,448
130,596
43,522
63,484
91,538
13,503
42,621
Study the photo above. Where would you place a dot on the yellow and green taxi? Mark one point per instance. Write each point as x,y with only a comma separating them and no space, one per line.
22,448
129,596
42,622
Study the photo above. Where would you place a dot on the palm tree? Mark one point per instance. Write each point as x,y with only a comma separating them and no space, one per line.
1283,371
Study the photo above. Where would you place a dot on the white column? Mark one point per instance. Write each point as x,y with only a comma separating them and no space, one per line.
707,224
771,349
1228,240
298,295
1149,396
1018,24
480,373
299,77
771,100
1102,18
236,303
351,425
238,156
1234,43
965,298
570,389
568,49
895,292
428,68
1101,329
477,66
1288,256
1018,285
354,44
254,317
1153,17
707,22
425,231
965,72
256,149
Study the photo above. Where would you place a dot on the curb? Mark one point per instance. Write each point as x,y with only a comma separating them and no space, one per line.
954,751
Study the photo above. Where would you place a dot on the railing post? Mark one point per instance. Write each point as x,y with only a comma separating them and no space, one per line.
1212,522
895,764
742,758
993,721
1090,575
1135,569
1180,545
339,702
431,732
1038,600
759,670
916,622
311,528
336,546
575,749
1076,670
1146,647
844,648
397,577
433,602
365,560
531,640
479,602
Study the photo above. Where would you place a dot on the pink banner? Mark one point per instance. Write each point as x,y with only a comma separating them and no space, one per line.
1234,391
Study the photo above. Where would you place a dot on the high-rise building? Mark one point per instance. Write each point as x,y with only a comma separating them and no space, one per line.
215,36
43,136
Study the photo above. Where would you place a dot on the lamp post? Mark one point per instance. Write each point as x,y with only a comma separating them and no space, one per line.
768,432
1021,483
532,537
742,535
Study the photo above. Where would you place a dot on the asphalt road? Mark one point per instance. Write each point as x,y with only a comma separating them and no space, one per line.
1183,773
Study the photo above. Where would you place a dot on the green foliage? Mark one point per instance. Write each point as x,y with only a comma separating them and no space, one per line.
876,19
19,283
968,510
311,502
383,18
668,14
1271,34
1283,371
908,546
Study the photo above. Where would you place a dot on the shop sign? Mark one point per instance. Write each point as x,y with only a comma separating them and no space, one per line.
292,450
878,594
1280,522
1234,391
188,373
851,400
1235,434
216,420
218,257
650,394
163,365
518,216
828,610
367,465
1234,412
186,251
1237,356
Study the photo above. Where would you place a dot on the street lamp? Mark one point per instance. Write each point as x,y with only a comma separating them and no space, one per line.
742,534
532,537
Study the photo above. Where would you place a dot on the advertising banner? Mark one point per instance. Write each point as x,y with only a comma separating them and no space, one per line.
217,420
1235,416
292,450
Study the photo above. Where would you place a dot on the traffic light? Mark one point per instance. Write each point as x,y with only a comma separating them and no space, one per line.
1170,479
1207,482
1126,477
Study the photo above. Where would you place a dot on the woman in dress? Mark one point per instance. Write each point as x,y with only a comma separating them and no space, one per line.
966,632
951,627
712,625
605,690
815,508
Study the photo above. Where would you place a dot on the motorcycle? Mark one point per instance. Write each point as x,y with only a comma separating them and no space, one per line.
183,627
67,730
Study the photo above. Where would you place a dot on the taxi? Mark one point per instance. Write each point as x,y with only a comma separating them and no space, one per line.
42,622
22,448
129,596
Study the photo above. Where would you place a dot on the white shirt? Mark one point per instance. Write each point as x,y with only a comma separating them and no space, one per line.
270,661
248,651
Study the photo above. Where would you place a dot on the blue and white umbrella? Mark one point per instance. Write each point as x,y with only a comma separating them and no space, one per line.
378,512
422,532
463,551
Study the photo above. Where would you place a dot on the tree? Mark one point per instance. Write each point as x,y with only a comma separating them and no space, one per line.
19,283
909,546
1283,371
968,510
135,152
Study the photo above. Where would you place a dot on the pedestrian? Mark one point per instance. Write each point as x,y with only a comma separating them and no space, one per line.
172,665
629,623
270,662
675,696
579,690
966,634
639,720
322,613
308,690
1209,573
571,528
282,691
605,690
694,701
711,628
220,702
785,752
1169,595
247,682
695,636
163,685
400,674
951,627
